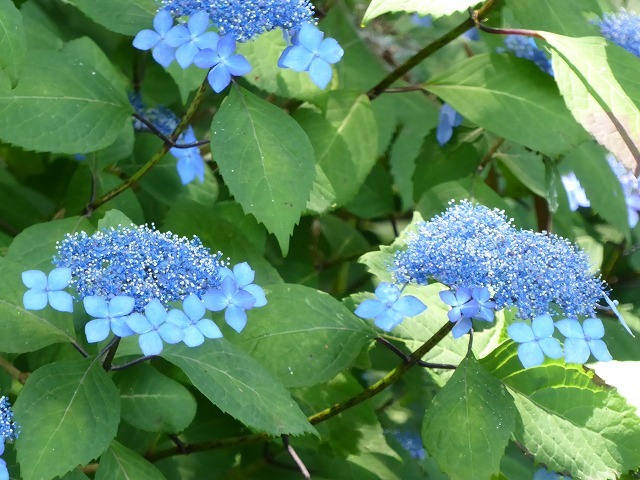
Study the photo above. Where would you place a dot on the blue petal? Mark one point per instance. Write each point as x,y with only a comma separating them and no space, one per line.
192,336
121,305
387,292
235,317
463,295
370,308
570,328
35,299
551,347
61,301
444,133
481,294
186,53
207,40
59,278
542,326
462,327
164,54
576,350
284,55
120,328
243,274
162,22
96,306
170,333
150,343
215,300
330,51
219,78
485,314
209,329
146,40
155,312
243,300
206,58
310,37
193,307
520,332
138,323
238,65
448,297
388,320
320,72
258,294
455,314
599,350
226,46
296,58
34,279
178,317
177,36
615,310
97,330
593,328
198,23
4,473
409,306
530,354
470,309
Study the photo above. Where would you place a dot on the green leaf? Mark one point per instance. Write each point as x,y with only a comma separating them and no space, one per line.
512,98
75,106
121,16
569,422
257,148
345,155
595,97
468,425
304,336
13,41
24,330
69,413
41,31
433,7
558,17
240,386
375,198
188,80
322,194
153,402
120,463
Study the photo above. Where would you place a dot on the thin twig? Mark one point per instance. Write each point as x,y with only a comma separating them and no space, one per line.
110,351
405,357
296,458
8,367
156,131
115,368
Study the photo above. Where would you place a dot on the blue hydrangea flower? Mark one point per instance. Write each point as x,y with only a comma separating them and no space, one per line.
224,62
154,329
138,262
535,341
486,305
447,120
155,40
9,431
190,162
244,276
234,300
463,309
583,340
575,193
473,245
525,47
411,442
43,290
544,474
630,187
192,38
110,316
190,321
623,29
244,20
389,308
311,52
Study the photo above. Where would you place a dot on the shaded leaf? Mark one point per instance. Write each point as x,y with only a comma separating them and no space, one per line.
121,16
120,463
13,41
432,7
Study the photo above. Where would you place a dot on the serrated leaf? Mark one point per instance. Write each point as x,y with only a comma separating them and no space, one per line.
121,16
74,105
154,402
322,194
69,413
266,160
595,97
568,421
24,330
240,386
558,17
431,7
319,335
512,98
13,41
120,463
468,424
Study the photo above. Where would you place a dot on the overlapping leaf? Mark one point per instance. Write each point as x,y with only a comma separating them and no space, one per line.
431,7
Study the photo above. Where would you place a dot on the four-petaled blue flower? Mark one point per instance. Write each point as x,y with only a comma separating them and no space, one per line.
153,328
109,316
389,309
464,307
224,62
190,320
583,340
486,305
447,120
43,290
312,53
244,275
162,52
535,341
232,298
190,162
575,193
192,38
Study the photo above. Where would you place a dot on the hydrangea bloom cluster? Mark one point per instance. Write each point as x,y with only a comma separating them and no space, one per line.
631,188
622,28
575,193
447,120
9,431
236,21
525,47
190,163
127,278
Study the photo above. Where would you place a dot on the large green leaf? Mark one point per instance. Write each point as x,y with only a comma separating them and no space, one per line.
120,463
122,16
569,420
143,389
512,98
304,336
468,425
345,155
266,160
432,7
13,41
595,97
240,386
75,105
24,330
559,17
69,413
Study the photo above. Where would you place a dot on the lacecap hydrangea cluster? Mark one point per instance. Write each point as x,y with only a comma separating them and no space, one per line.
191,40
488,265
623,29
9,431
130,280
525,47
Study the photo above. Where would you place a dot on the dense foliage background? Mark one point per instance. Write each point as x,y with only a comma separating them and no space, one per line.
316,189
